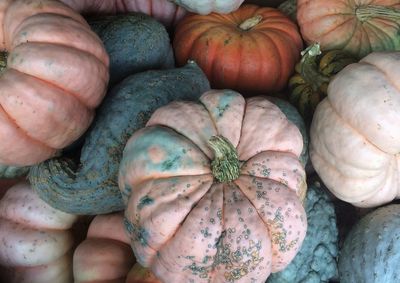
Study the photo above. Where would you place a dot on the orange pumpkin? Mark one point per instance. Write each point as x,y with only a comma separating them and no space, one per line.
252,50
56,73
213,190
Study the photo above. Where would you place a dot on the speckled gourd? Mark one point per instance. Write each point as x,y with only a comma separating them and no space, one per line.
92,186
371,250
135,43
316,261
213,190
36,239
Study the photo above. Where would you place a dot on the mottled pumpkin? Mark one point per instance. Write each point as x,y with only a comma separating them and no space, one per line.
54,76
36,239
252,50
212,190
308,86
7,172
356,26
355,134
163,10
91,187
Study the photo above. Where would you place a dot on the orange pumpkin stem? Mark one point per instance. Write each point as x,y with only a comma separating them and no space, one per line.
365,12
250,22
3,60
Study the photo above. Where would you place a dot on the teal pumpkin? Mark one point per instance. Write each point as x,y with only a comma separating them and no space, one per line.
91,187
9,172
371,250
317,259
135,43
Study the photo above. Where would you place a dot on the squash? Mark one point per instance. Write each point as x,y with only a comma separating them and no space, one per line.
357,27
252,50
209,6
127,39
12,171
105,255
91,187
36,239
54,75
308,86
164,11
316,260
213,190
355,137
371,251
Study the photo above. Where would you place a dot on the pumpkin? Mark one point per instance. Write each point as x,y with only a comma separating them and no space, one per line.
209,6
355,134
12,171
163,10
54,77
127,39
252,50
212,190
308,86
36,239
371,251
105,254
358,27
316,260
91,187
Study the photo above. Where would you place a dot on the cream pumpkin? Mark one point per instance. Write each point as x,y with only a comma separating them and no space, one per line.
55,74
212,190
205,7
355,132
36,239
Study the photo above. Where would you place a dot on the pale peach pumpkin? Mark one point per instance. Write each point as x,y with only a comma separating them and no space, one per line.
355,132
163,10
36,239
105,255
56,73
212,190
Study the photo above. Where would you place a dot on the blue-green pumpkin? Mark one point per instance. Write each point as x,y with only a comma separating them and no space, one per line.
91,187
371,250
9,172
317,259
135,42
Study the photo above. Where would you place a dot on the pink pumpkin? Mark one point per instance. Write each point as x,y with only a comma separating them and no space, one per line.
212,190
163,10
36,239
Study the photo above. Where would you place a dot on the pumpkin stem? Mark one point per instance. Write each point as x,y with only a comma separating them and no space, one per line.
3,61
366,12
225,166
309,69
250,22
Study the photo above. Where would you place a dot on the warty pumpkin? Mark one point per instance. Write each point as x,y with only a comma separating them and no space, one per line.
252,50
358,27
355,134
55,73
163,10
91,186
36,239
212,190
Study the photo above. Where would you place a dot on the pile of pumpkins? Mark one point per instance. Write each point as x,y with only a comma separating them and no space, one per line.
199,141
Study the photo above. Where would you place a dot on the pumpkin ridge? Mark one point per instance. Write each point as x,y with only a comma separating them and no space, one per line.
376,31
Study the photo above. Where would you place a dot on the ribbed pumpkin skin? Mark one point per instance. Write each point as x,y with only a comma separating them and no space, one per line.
355,134
37,239
371,250
56,74
134,42
163,10
209,6
92,187
105,254
254,61
338,25
187,226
